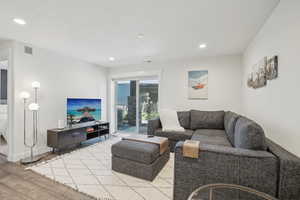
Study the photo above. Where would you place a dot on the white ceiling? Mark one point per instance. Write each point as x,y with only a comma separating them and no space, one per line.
94,30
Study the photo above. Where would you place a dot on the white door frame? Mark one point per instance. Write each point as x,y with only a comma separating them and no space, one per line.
113,77
137,109
10,100
115,95
137,103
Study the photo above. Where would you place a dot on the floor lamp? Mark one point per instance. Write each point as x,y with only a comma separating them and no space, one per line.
25,96
35,85
34,107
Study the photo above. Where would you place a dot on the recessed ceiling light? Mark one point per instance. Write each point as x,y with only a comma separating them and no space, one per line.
140,36
202,46
111,58
19,21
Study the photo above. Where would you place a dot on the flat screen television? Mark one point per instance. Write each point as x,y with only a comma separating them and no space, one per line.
81,110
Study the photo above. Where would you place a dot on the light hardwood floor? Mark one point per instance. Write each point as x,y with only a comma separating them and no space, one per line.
16,183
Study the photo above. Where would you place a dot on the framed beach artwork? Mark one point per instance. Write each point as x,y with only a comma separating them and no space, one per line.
198,84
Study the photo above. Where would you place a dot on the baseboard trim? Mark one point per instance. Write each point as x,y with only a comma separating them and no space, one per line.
37,151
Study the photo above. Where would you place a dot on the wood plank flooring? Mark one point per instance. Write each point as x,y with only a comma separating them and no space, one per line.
16,183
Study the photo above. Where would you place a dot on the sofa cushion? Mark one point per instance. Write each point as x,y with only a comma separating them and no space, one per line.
184,118
136,151
211,136
175,135
207,119
249,135
230,119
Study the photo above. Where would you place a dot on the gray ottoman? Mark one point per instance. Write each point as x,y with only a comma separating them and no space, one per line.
138,159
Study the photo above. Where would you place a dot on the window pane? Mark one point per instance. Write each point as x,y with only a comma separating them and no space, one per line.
126,106
148,105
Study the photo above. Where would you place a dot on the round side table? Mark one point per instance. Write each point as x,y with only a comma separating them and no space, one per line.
210,192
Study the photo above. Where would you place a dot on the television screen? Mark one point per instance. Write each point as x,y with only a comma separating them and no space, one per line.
83,110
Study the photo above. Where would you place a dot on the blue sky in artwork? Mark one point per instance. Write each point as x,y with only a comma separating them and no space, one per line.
197,74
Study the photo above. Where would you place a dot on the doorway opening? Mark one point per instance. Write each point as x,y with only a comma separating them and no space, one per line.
3,103
136,102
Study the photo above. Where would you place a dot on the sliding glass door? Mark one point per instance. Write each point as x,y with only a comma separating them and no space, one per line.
136,103
148,103
126,106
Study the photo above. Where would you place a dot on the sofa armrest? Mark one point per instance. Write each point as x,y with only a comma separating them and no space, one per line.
220,164
153,125
230,151
289,172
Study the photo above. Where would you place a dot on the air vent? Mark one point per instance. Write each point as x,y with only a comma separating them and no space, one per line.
28,50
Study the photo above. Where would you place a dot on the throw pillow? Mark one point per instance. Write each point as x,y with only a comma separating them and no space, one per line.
249,135
169,120
184,118
230,119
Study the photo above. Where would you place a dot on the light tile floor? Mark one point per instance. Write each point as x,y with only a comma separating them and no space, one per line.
88,170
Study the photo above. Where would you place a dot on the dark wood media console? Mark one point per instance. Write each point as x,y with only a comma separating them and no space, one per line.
75,134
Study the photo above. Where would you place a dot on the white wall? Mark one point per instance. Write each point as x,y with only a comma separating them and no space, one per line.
224,83
276,107
60,77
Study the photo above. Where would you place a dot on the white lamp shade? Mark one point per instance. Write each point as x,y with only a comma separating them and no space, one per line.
33,106
24,95
35,84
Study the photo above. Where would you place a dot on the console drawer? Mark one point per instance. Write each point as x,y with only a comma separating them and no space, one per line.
71,138
64,139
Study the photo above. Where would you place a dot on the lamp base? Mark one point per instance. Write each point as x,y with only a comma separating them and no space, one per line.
30,160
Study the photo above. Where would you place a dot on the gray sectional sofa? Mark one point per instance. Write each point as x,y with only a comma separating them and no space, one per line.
233,149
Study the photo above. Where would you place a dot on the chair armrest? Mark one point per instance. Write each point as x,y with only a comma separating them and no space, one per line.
153,125
220,164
